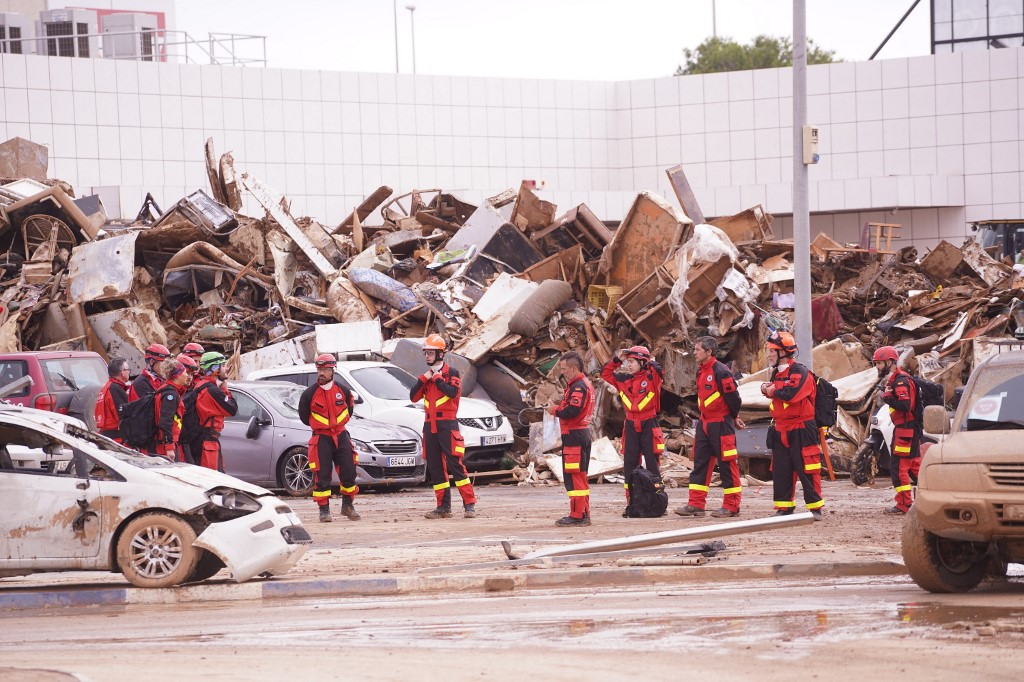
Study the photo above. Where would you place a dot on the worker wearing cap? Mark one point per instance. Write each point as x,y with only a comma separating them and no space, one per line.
793,438
574,413
149,379
901,396
112,396
637,377
440,388
213,401
719,404
168,409
326,407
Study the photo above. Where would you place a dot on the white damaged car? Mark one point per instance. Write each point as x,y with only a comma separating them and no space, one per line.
74,500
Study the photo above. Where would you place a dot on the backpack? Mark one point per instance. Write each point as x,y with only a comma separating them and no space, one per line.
825,402
928,393
647,496
191,429
138,421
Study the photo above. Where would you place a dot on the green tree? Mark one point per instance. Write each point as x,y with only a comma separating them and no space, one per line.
716,55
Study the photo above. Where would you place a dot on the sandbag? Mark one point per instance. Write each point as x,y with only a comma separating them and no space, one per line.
537,308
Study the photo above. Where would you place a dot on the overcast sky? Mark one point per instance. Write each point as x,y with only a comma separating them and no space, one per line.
563,39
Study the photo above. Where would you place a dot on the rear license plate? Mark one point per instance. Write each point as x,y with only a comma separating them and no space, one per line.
401,461
493,440
1013,512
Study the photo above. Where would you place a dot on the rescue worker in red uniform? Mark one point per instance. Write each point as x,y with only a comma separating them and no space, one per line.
168,410
213,402
900,395
719,404
326,407
440,388
194,351
149,379
574,414
639,388
113,395
793,438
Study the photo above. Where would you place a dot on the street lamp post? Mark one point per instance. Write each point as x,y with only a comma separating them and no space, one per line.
394,5
714,22
412,26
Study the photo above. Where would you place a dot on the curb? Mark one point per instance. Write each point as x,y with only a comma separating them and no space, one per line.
499,581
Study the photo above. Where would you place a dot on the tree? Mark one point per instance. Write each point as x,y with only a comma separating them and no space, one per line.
716,55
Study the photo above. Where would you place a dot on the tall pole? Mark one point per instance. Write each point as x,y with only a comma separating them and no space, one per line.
801,212
714,21
394,4
412,26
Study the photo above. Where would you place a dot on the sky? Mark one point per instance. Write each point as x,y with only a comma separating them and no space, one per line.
606,40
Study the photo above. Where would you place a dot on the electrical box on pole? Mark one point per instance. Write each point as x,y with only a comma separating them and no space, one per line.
811,144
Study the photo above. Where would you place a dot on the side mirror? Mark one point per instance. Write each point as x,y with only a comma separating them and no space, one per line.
936,419
358,398
252,431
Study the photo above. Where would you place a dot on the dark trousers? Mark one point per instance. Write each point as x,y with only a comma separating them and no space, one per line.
715,441
327,453
641,440
444,450
575,464
796,454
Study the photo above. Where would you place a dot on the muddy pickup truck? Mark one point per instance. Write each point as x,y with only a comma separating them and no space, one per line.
967,521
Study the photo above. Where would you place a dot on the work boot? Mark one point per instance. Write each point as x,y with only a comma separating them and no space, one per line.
573,521
783,512
816,513
349,509
439,513
724,513
325,514
689,510
469,511
893,510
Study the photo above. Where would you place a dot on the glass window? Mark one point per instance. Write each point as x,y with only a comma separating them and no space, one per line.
12,370
284,400
969,9
389,383
300,379
996,402
970,28
72,374
944,30
247,407
943,10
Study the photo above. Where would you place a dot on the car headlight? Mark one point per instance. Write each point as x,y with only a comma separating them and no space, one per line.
362,446
227,503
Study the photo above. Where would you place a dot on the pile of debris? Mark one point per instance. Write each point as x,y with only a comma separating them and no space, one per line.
511,283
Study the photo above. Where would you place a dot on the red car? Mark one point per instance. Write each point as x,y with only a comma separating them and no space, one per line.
62,381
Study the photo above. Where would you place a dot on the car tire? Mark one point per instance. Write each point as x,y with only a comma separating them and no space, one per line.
293,473
83,405
209,565
938,564
155,550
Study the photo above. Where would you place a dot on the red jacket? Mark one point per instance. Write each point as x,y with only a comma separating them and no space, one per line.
717,397
113,394
900,395
440,395
792,395
213,404
577,406
326,411
640,393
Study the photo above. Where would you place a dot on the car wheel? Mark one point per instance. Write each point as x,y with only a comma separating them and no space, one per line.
155,550
938,564
864,466
294,474
209,565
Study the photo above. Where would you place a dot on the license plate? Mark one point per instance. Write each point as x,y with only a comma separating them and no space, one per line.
494,440
401,461
1013,512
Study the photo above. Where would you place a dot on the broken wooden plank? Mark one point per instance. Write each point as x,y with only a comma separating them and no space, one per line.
363,210
684,193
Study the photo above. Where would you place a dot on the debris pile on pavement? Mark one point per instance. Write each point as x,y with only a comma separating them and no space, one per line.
513,283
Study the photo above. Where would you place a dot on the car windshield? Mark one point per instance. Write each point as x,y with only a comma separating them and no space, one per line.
996,402
388,383
284,399
71,373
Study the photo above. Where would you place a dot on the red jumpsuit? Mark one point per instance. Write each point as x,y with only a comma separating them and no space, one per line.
900,395
796,447
641,399
719,404
327,411
443,445
574,413
113,394
168,410
212,405
145,384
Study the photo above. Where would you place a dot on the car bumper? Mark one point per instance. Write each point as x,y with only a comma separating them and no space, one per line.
371,475
270,540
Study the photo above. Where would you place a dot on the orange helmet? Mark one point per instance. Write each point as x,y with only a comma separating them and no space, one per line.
885,353
434,342
326,360
638,353
782,341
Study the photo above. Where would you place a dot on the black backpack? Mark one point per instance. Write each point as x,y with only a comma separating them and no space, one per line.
191,429
825,402
647,496
138,421
928,393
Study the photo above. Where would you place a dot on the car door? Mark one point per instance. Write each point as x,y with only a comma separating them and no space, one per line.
247,458
51,507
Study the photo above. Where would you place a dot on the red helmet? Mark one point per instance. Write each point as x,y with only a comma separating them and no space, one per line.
783,341
189,363
435,342
638,353
885,353
326,360
156,351
193,350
